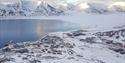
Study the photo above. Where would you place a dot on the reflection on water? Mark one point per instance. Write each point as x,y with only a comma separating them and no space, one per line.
30,30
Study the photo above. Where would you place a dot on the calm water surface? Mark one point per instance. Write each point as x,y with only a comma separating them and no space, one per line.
30,30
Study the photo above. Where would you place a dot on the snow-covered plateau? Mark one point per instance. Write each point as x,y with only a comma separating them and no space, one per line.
80,46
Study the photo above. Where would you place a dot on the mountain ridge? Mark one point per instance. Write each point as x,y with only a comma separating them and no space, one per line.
26,8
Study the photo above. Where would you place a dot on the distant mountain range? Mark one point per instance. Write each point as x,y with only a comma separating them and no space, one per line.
103,8
26,8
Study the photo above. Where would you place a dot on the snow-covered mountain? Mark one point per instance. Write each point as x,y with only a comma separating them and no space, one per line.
27,8
101,8
71,47
8,10
47,9
117,8
96,8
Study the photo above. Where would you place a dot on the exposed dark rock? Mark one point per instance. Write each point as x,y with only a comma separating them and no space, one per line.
51,40
22,13
70,52
7,49
49,52
2,12
11,13
70,58
35,61
122,52
117,37
46,46
22,51
89,40
44,50
79,55
50,57
68,45
52,44
25,58
57,52
18,46
109,41
119,50
5,59
116,33
69,34
77,33
6,45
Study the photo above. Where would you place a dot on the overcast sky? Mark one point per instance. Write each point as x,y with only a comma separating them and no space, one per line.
69,1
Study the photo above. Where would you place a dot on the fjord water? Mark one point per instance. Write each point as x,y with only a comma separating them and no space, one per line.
21,30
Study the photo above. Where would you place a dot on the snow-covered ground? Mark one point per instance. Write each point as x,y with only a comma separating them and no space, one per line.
69,47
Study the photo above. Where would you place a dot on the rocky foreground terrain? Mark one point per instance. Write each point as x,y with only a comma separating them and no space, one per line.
71,47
